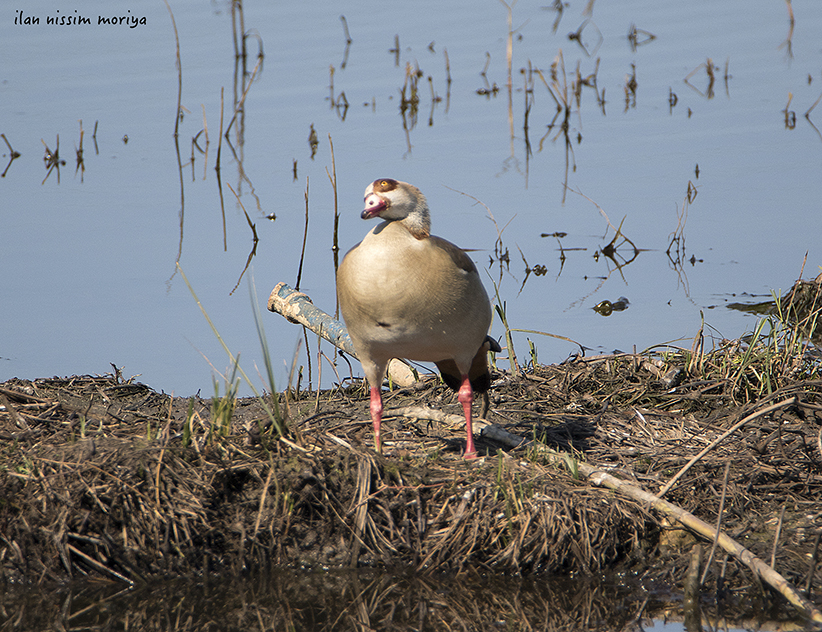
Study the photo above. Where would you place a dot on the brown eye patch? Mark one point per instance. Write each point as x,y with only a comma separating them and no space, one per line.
385,184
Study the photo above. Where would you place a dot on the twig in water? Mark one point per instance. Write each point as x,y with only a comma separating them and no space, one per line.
256,239
448,80
788,43
305,237
207,142
509,52
348,42
808,115
14,154
179,73
217,166
241,102
790,115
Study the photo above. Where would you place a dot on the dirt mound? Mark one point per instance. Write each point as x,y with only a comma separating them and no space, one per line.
101,477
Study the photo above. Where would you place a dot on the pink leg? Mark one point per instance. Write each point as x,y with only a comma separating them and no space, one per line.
376,415
466,398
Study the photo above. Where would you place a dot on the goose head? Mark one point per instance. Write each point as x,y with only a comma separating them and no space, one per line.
393,200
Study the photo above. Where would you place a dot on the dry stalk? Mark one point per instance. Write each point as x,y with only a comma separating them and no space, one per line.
360,507
758,567
784,403
718,527
262,503
777,535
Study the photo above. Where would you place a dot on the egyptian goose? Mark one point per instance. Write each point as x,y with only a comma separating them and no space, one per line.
405,293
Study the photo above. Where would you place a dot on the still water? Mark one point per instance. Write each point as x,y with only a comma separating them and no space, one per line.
357,600
691,135
87,263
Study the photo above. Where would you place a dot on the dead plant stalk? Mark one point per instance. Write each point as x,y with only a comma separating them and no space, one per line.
783,404
602,479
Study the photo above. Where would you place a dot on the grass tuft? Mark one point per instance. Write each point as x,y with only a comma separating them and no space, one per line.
273,411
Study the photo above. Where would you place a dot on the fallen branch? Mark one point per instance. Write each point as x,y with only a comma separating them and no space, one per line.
603,479
483,427
298,308
99,566
757,566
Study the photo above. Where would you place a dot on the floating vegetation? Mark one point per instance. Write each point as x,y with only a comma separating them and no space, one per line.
606,307
52,160
800,309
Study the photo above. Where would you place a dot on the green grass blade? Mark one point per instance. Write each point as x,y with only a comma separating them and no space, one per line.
275,418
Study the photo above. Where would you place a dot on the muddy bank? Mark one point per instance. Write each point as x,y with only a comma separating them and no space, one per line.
104,478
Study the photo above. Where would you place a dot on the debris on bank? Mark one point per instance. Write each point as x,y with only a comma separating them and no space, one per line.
106,478
102,477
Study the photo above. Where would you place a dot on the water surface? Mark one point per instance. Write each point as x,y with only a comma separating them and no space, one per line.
88,259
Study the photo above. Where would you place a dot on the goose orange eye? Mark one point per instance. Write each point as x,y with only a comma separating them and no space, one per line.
385,184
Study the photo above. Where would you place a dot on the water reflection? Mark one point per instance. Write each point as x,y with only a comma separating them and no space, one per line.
53,160
348,41
710,71
606,307
590,44
676,246
565,95
13,155
529,122
347,600
639,37
243,79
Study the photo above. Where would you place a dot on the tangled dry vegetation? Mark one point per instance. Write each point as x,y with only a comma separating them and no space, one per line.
100,482
101,477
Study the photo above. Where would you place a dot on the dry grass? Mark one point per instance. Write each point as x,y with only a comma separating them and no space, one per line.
102,478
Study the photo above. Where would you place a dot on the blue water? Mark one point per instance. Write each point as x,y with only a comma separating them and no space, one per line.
87,264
